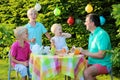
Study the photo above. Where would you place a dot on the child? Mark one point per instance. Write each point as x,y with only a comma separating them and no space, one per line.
35,29
20,52
59,40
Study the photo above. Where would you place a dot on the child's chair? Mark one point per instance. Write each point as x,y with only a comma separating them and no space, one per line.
10,68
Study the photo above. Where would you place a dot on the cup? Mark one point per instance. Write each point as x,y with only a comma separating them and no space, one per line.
77,51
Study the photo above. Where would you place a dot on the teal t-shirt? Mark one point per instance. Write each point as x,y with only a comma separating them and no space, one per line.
99,40
36,32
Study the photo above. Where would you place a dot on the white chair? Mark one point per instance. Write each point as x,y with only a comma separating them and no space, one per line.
10,68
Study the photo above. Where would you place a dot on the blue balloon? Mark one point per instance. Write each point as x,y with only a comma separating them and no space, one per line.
102,20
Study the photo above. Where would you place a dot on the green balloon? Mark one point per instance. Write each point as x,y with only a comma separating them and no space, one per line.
57,11
77,21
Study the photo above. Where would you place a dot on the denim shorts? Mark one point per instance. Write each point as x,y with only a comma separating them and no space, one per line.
23,70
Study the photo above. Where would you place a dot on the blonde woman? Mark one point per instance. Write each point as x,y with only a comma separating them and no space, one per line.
20,52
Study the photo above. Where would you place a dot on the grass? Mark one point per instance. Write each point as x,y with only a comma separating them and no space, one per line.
3,70
4,73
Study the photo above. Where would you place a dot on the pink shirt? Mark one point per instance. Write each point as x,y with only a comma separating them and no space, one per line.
20,53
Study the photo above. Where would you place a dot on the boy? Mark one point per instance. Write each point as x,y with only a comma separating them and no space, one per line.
20,52
35,29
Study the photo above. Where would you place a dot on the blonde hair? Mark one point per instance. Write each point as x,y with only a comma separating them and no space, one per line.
31,10
19,31
54,26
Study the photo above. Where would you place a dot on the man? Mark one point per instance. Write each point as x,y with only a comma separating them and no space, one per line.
99,42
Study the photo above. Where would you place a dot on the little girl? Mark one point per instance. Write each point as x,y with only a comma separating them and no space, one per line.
59,40
20,52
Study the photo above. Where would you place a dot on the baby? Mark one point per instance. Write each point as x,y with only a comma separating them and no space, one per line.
59,39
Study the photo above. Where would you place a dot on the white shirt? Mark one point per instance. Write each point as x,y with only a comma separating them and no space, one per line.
60,42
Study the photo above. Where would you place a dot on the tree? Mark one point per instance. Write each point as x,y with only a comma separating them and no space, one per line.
116,60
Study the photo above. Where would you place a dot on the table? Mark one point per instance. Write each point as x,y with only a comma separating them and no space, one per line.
43,67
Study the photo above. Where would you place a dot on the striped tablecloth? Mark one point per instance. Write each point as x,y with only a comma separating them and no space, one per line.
44,67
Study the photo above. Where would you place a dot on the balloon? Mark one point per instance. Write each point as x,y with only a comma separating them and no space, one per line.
102,20
37,7
77,21
89,8
57,11
70,20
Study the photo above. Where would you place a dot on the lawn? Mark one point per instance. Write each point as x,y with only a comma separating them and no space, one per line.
4,73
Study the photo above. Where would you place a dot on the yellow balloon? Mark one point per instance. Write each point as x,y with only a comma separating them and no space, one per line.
89,8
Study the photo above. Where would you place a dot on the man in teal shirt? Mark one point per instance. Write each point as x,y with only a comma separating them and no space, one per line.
99,61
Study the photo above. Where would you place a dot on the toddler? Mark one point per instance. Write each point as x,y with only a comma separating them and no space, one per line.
59,39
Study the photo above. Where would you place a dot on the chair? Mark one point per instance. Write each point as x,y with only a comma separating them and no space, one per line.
10,68
111,74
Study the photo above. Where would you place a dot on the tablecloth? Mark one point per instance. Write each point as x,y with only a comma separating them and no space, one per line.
43,67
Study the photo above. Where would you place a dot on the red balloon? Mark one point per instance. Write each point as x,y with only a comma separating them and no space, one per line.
70,20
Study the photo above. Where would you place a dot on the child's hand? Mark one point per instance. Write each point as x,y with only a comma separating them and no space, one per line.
72,49
25,63
52,43
33,40
66,35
